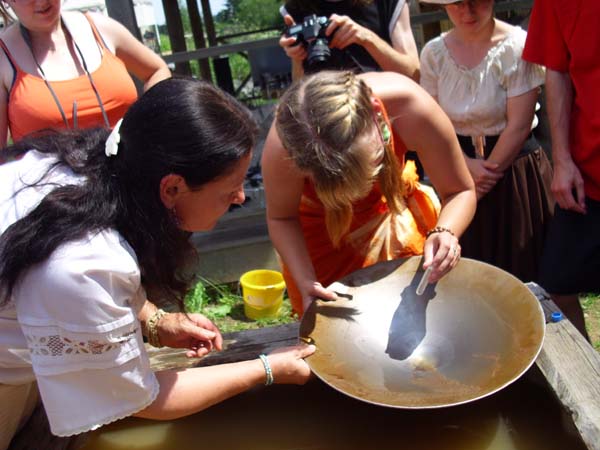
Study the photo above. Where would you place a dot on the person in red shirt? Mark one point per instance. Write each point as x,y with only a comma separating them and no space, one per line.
564,37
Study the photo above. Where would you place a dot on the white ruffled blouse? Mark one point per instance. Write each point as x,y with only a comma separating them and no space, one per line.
72,321
475,99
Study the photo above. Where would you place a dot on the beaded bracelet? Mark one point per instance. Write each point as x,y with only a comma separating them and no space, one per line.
153,337
268,370
438,230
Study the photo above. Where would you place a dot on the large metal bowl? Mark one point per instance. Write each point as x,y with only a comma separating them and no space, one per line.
469,335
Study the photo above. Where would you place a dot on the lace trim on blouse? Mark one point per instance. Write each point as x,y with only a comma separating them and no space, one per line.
54,350
56,345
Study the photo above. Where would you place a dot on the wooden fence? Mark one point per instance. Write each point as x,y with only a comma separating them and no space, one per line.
427,22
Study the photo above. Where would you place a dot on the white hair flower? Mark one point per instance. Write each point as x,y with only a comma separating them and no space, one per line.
111,147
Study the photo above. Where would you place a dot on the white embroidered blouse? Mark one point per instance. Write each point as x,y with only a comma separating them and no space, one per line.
72,321
475,99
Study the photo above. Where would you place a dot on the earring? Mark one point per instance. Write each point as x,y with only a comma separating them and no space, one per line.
386,133
175,217
385,130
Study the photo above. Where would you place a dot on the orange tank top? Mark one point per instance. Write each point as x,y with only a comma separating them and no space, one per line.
31,106
374,235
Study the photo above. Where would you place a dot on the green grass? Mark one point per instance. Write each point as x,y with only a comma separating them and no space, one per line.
591,310
223,304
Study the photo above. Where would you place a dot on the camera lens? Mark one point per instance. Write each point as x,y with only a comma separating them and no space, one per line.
318,52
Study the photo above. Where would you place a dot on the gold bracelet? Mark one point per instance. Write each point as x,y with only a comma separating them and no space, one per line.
153,337
438,230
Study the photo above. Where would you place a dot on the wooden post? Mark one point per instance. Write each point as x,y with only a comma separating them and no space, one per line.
199,41
124,12
175,27
220,64
209,23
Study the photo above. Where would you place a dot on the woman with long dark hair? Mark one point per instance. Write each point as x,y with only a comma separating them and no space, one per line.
90,222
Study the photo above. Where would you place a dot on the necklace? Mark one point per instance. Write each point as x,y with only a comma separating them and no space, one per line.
27,38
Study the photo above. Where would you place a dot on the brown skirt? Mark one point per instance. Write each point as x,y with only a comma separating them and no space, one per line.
509,227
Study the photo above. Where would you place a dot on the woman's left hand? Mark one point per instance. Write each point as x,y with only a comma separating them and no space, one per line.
441,252
192,331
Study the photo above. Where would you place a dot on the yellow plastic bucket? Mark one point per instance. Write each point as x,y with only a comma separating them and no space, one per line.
263,293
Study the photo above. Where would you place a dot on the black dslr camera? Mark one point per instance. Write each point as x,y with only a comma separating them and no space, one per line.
311,33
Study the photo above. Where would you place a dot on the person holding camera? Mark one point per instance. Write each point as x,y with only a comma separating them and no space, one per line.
363,35
91,220
340,195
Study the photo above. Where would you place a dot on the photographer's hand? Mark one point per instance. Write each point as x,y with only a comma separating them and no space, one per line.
292,48
401,56
343,31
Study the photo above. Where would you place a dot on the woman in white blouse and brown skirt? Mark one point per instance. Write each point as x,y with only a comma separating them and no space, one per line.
476,74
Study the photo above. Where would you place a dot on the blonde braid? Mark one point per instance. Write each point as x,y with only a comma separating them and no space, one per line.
319,121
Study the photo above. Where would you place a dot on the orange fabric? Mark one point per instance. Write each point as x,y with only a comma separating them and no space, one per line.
32,108
375,234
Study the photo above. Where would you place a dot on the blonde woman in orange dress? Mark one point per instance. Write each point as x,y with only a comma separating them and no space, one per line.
339,194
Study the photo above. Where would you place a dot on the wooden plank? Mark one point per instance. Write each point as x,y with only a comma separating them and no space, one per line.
238,346
210,52
571,367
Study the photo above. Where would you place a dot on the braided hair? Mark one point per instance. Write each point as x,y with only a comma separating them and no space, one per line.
325,121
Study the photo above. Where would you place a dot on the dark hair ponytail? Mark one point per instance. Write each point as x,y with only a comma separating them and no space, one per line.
180,126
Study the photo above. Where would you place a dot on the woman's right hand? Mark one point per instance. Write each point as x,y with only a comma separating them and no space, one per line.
485,175
288,364
294,50
313,291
